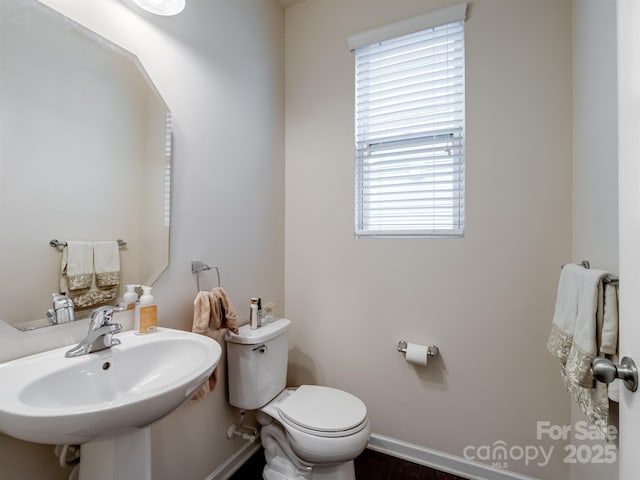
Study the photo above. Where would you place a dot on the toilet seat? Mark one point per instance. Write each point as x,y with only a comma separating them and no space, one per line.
323,411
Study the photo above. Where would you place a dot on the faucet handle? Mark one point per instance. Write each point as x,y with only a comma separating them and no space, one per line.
61,301
62,309
100,334
102,316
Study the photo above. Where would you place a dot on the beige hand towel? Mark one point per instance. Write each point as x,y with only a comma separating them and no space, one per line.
106,258
609,341
212,312
76,268
609,338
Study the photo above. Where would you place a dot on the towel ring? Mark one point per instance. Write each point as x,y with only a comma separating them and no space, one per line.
197,266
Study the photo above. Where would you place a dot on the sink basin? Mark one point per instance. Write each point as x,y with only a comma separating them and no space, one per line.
47,398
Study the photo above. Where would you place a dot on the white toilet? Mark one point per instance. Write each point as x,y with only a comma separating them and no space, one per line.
309,432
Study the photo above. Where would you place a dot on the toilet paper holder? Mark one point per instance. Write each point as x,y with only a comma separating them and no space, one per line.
432,351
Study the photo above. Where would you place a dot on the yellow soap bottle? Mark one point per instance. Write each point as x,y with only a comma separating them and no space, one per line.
146,313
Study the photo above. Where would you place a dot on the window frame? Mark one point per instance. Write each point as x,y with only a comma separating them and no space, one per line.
450,139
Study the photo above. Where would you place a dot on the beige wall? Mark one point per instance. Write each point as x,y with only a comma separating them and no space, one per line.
219,65
595,161
485,300
595,148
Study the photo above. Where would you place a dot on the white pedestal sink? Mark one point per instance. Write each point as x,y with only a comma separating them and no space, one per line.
105,400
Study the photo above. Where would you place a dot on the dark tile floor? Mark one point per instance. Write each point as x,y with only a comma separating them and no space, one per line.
369,465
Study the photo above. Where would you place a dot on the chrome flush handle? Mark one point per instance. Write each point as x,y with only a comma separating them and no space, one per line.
260,349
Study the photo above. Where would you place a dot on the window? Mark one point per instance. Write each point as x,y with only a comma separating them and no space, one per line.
410,133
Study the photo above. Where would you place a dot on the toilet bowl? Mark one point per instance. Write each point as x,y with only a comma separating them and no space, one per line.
309,432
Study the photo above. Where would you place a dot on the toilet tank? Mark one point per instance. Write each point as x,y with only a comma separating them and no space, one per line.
257,363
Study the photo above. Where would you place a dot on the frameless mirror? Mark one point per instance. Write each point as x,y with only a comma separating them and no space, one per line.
85,150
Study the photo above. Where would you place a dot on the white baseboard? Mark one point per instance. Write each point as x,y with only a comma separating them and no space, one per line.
444,462
439,460
234,462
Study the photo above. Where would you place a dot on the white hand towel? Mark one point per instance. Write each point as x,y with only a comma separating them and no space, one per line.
76,268
584,347
576,329
566,313
106,257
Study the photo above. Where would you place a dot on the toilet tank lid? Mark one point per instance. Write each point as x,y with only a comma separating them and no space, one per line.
260,335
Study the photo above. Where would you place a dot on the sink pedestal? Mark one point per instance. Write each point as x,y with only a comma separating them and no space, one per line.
127,456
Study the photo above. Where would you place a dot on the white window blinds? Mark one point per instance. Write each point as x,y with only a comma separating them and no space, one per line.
410,134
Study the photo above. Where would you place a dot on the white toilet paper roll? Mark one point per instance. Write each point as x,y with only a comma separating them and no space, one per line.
417,354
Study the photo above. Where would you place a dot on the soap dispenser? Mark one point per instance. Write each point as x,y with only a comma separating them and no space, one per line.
146,313
130,297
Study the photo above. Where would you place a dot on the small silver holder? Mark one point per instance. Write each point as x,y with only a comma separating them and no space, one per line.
432,351
197,266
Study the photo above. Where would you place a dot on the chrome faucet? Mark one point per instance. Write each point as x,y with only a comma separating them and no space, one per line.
100,334
62,310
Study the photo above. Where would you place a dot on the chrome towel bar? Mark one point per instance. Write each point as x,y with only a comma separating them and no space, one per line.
58,244
609,278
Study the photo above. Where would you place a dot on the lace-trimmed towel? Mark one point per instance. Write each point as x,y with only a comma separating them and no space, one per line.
106,258
577,337
90,272
76,267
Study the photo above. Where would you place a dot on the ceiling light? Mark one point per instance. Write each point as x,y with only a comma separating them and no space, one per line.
161,7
